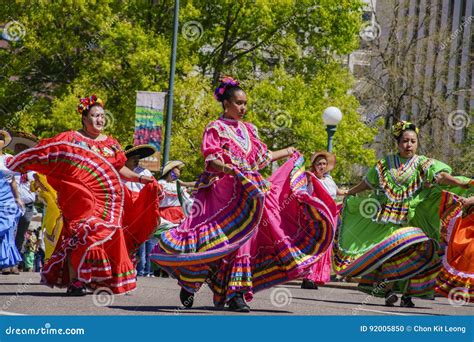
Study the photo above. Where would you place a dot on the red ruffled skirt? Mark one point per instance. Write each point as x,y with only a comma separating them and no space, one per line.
103,222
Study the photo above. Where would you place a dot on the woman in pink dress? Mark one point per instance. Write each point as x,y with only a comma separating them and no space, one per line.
244,233
321,164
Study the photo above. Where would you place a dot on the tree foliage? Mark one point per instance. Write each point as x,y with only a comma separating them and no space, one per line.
283,52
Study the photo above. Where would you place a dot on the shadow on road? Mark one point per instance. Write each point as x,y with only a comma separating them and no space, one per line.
172,310
373,305
35,294
176,310
24,283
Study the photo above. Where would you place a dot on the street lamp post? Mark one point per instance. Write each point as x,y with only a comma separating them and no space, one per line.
169,108
331,117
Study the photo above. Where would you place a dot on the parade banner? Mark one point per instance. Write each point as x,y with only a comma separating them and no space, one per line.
148,125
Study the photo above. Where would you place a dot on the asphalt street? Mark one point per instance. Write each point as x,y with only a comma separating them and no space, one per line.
24,295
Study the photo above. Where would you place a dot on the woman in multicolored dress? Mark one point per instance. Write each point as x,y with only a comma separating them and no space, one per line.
456,278
244,233
10,212
390,240
101,228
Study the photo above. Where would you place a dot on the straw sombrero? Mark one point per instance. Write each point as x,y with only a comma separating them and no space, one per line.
331,159
142,151
171,165
6,137
23,138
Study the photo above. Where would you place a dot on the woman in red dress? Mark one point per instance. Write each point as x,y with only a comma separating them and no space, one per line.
103,223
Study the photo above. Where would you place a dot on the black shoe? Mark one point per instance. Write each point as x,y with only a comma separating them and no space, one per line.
390,298
406,302
164,274
309,285
238,304
76,288
186,298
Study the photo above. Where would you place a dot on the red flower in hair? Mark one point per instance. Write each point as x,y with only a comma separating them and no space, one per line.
87,102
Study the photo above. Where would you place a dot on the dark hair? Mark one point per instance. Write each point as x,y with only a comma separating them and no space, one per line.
322,156
411,128
402,126
226,89
229,93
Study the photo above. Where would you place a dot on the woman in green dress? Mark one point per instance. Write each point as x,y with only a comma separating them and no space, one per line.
390,239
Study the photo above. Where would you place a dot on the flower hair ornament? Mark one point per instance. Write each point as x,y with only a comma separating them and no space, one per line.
224,84
87,102
402,126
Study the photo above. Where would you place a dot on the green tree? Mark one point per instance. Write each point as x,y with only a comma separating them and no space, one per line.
288,111
251,36
281,51
72,49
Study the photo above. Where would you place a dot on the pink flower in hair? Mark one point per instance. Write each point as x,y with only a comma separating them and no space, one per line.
225,83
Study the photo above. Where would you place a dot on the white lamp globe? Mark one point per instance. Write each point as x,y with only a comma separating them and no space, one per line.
332,116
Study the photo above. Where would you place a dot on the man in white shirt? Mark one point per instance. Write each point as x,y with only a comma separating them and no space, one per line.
134,154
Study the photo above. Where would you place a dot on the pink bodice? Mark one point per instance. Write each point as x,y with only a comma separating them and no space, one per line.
234,142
